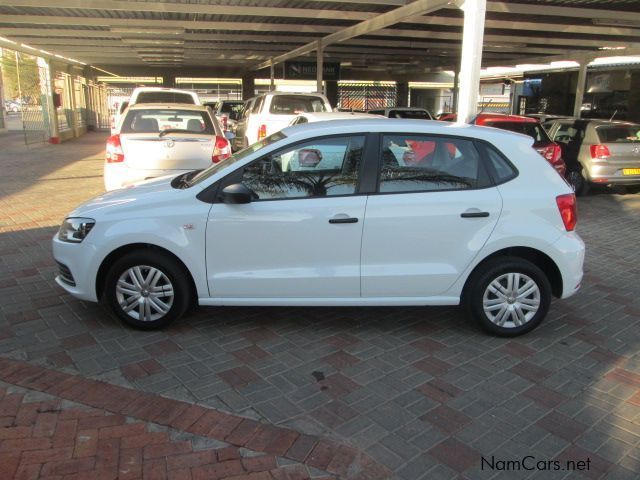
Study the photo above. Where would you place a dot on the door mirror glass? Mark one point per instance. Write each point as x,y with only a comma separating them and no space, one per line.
309,157
237,194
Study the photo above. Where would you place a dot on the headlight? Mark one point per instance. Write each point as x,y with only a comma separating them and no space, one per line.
74,230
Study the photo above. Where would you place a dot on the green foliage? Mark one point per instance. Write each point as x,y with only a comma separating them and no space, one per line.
27,67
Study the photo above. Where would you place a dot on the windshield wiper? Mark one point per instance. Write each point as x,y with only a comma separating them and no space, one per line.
173,130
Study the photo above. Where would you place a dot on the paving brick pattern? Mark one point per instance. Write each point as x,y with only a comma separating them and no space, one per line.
418,390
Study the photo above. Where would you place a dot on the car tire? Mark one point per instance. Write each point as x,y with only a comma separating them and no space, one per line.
577,181
521,310
154,284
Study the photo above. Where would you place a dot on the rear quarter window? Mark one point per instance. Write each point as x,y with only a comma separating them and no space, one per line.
500,169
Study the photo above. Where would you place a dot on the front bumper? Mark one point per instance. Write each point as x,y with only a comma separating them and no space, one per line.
81,267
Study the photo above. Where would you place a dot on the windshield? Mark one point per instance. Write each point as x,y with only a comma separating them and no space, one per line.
295,104
216,167
228,107
411,114
618,133
164,97
156,120
534,130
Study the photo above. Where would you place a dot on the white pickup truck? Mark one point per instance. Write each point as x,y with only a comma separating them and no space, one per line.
271,112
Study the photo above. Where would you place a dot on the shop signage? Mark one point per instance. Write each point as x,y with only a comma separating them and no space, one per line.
307,71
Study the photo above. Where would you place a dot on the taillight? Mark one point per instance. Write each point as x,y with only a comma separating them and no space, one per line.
568,210
262,132
115,154
221,149
600,151
552,153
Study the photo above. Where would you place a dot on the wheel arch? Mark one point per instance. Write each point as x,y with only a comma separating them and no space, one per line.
133,247
538,258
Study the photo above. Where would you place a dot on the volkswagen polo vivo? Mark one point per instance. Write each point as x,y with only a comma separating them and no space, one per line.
374,212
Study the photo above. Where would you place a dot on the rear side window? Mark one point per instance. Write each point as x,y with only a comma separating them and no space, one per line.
164,97
295,104
618,133
500,169
534,130
416,163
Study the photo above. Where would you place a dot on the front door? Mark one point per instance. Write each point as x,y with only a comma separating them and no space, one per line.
434,211
301,236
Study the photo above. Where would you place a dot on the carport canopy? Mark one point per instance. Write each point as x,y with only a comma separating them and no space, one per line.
372,39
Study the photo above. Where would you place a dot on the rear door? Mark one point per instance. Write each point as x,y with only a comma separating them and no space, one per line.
434,210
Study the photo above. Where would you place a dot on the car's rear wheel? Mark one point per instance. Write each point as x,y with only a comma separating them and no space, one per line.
508,296
578,182
147,290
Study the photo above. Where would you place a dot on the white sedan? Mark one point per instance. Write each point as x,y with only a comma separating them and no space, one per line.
154,140
413,213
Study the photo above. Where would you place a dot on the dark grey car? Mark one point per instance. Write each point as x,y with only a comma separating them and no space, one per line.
598,152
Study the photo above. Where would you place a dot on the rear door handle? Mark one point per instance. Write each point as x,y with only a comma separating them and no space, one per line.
474,213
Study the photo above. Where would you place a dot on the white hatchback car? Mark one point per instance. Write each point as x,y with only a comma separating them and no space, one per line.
376,212
153,140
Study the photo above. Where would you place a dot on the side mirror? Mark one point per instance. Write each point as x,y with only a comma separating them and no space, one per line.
229,135
237,193
309,157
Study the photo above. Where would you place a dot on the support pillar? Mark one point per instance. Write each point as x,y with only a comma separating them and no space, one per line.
402,94
471,58
248,86
168,80
272,83
3,124
580,88
331,87
456,89
49,113
319,67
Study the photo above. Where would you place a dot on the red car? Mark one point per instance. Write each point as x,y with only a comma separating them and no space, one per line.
526,125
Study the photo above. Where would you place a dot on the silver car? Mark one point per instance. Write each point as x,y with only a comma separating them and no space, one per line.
598,152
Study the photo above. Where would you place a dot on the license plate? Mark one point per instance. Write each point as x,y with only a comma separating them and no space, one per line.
631,171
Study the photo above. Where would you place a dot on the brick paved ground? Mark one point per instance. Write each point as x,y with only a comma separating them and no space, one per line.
417,389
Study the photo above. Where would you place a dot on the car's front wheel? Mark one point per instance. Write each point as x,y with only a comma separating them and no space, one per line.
147,289
508,296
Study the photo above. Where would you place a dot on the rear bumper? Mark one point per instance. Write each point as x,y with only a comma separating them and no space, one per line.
568,254
612,175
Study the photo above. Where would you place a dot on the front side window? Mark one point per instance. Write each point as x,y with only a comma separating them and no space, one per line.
295,104
156,120
417,163
319,168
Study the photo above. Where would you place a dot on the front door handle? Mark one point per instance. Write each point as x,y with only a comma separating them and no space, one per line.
343,219
474,213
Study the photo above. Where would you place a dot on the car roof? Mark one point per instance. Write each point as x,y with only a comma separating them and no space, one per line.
336,115
401,125
501,117
165,106
162,89
306,94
